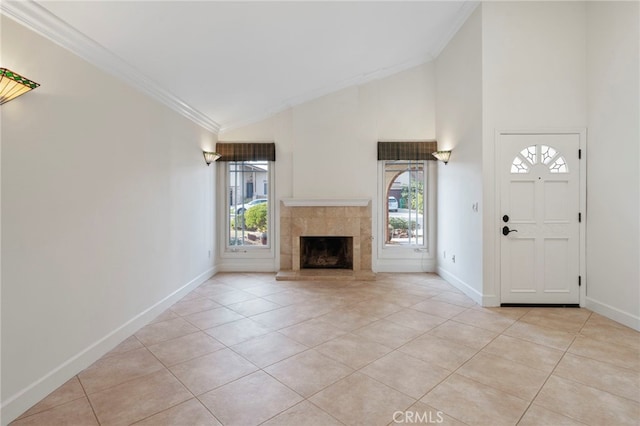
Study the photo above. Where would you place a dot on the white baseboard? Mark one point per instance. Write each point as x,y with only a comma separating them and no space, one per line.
613,313
474,294
247,265
18,403
404,265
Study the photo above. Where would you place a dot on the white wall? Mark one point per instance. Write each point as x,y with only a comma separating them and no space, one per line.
613,215
534,78
106,211
459,128
327,147
329,158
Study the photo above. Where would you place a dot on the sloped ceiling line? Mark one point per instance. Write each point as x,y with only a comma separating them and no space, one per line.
466,9
43,22
229,111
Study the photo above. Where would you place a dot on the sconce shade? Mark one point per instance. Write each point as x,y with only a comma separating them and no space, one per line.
210,157
442,156
13,85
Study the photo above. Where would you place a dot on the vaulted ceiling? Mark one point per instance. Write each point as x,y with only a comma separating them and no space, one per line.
224,64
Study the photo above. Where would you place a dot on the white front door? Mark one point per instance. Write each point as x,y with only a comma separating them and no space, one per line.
539,218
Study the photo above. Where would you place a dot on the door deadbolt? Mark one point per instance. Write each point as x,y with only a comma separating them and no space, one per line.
507,231
505,218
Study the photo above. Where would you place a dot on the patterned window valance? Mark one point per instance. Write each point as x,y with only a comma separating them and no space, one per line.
238,151
413,150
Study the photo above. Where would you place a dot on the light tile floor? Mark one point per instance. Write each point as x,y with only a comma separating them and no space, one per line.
244,349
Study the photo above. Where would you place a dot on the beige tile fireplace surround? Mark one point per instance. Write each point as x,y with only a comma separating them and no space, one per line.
325,218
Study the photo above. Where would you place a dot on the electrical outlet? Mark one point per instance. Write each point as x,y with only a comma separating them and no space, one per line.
444,254
209,254
453,258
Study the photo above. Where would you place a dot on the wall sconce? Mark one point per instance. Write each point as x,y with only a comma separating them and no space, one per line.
13,85
442,156
210,157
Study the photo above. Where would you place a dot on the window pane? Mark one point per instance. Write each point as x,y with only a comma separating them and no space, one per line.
248,203
405,203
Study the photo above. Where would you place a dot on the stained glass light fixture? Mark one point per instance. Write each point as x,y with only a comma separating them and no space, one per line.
210,157
442,156
13,85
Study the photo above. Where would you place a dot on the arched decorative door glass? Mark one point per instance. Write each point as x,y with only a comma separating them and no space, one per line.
539,154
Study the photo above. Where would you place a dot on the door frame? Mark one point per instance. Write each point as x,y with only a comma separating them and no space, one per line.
582,184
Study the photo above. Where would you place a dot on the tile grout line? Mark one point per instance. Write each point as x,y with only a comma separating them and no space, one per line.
359,370
185,386
458,368
417,337
549,376
579,334
174,376
304,398
93,410
171,372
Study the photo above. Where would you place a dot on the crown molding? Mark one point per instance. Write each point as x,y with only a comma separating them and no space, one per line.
43,22
466,9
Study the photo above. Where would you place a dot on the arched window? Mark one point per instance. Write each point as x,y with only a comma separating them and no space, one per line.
405,192
539,154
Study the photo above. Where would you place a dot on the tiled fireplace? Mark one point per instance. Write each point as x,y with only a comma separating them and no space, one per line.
325,220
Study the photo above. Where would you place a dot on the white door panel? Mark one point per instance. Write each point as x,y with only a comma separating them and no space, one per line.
540,200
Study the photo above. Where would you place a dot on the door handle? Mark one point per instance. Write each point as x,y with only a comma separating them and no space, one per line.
507,231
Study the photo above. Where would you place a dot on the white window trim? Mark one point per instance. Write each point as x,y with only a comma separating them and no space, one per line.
223,223
426,252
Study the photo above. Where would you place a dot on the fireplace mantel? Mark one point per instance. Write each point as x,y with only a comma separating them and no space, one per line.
322,202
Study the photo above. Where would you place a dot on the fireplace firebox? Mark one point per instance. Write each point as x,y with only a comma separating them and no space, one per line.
326,252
